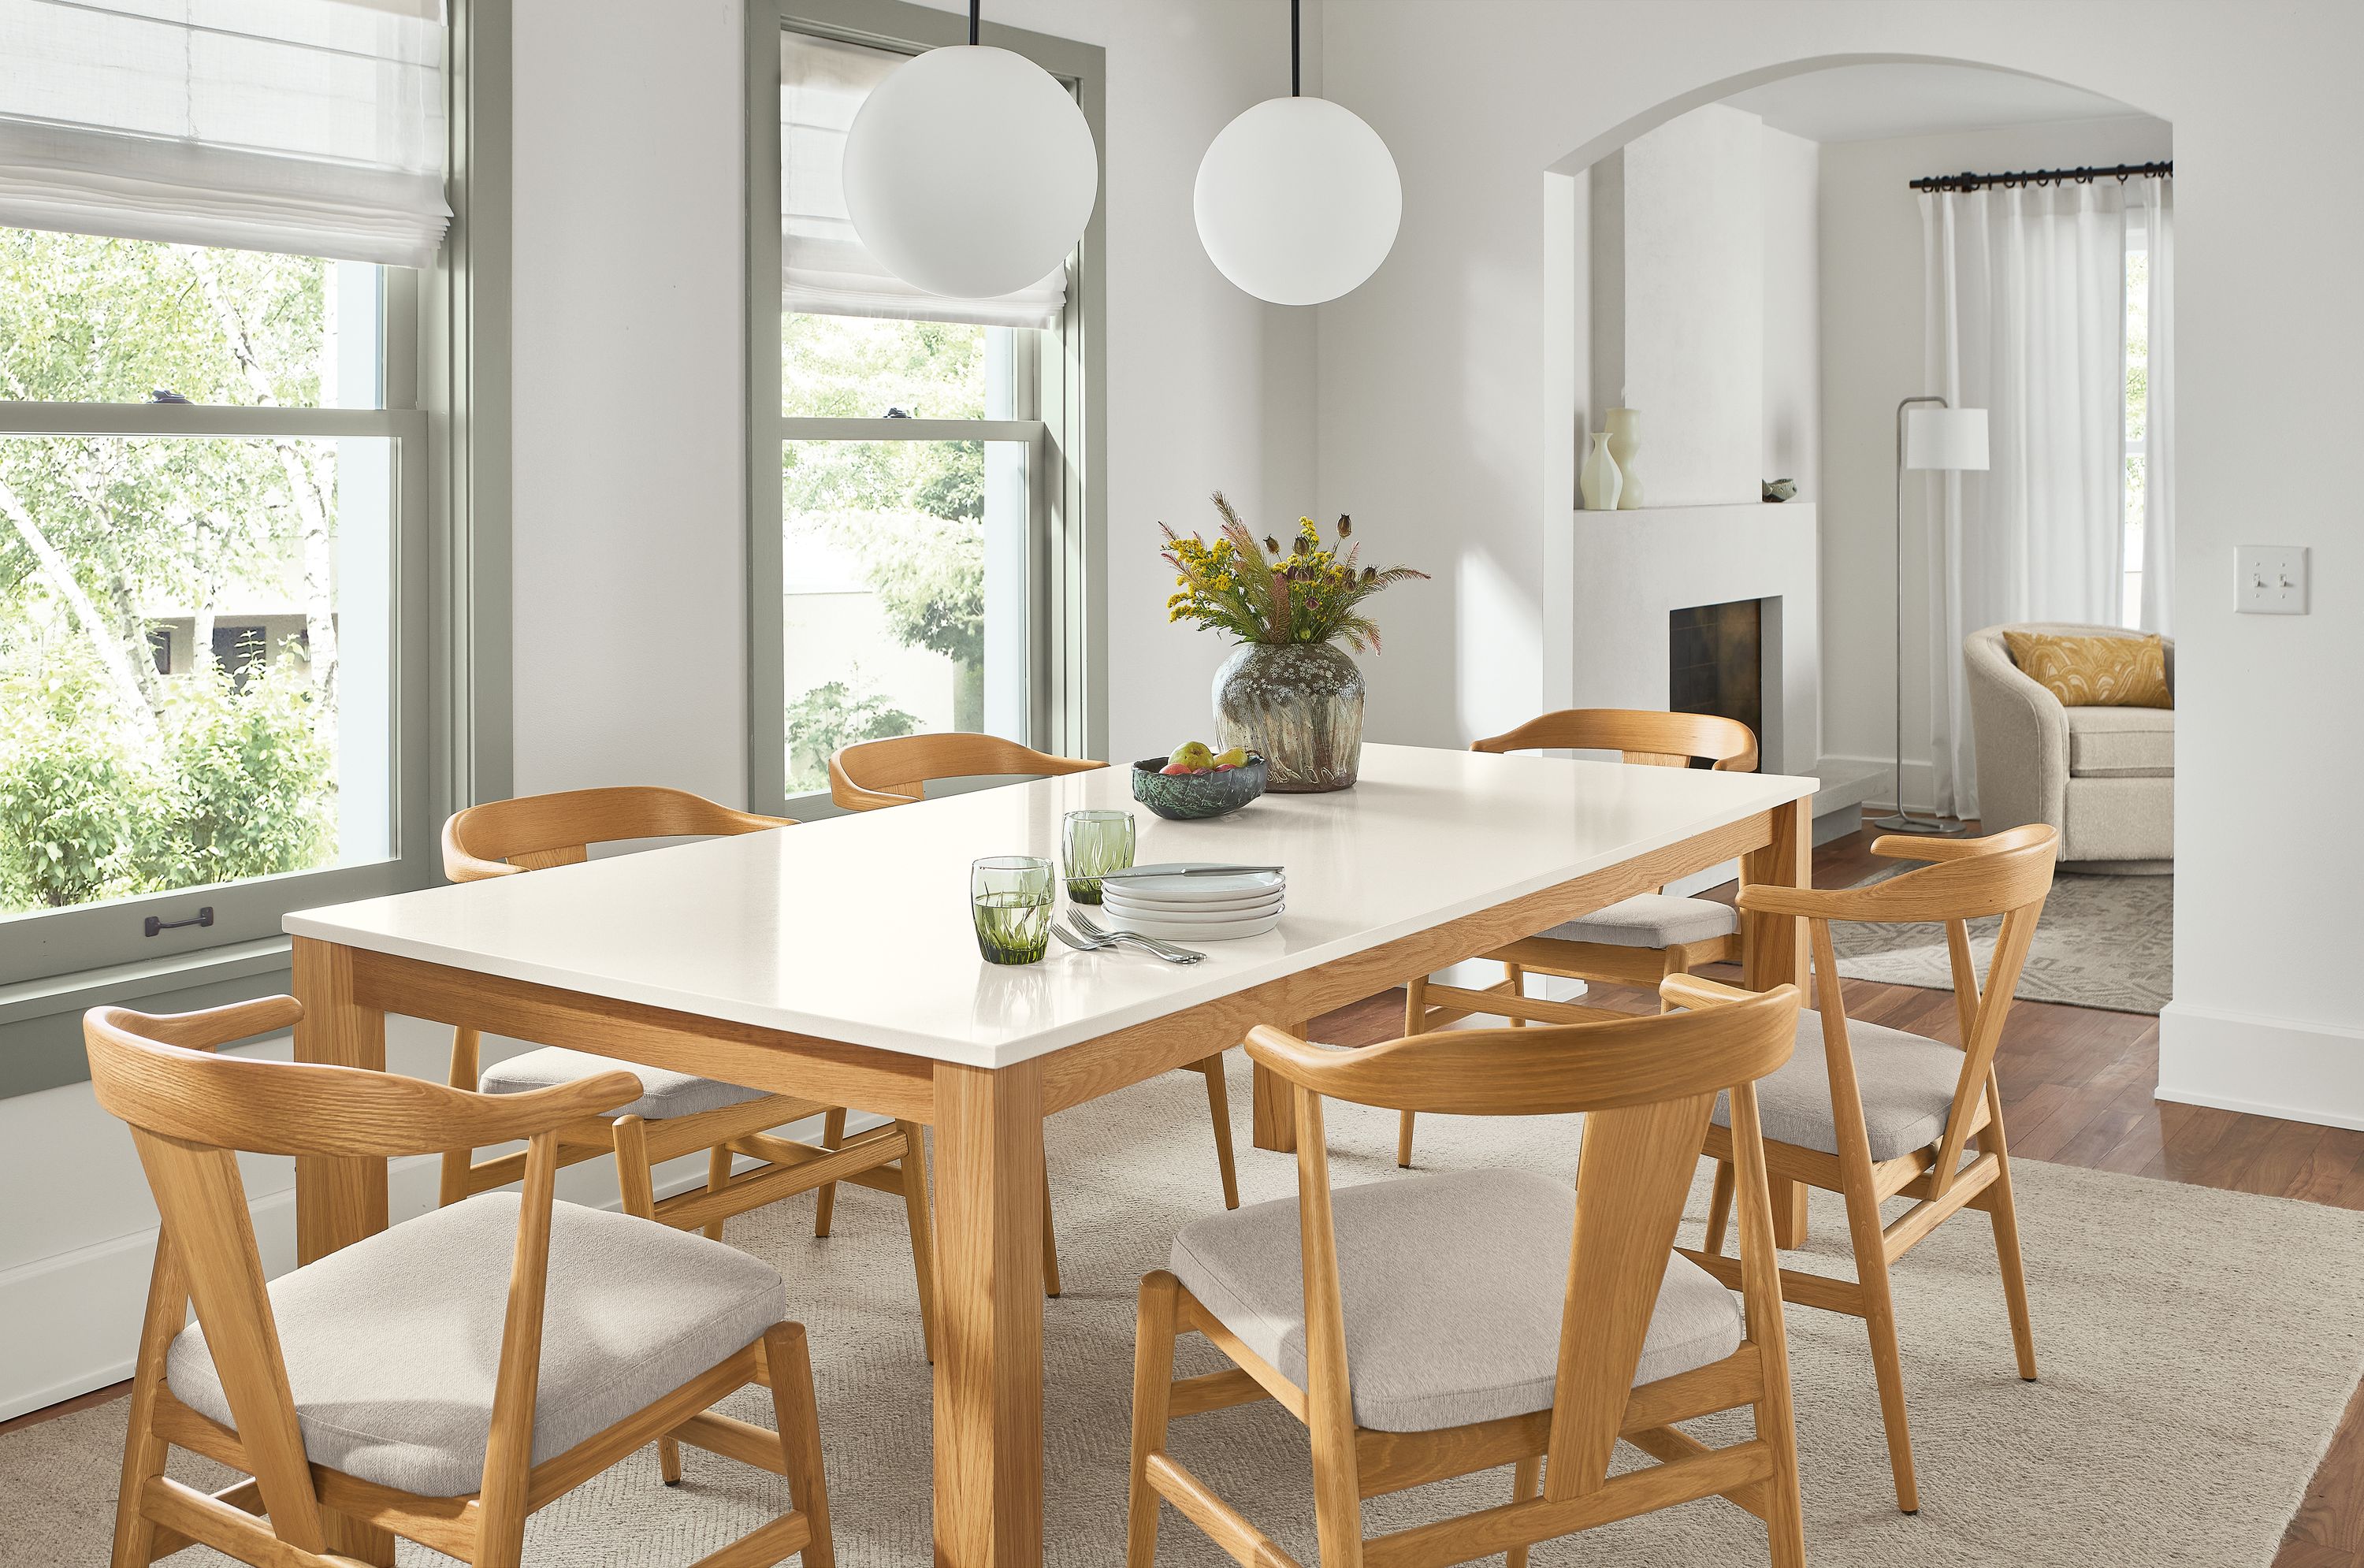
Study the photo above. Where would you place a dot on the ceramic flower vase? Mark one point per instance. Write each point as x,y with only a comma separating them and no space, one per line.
1299,704
1624,431
1600,478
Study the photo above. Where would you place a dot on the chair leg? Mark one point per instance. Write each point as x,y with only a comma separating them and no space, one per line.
457,1163
1879,1320
833,1136
1515,977
1526,1479
717,1176
1152,1394
1050,1238
1415,1022
1719,1206
789,1366
1219,1107
638,1185
923,1240
2005,1212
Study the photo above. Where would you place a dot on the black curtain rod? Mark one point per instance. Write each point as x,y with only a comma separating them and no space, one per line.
1967,182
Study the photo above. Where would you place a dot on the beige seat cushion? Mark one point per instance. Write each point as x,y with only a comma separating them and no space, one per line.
1652,920
663,1094
2121,742
1454,1286
1906,1082
393,1344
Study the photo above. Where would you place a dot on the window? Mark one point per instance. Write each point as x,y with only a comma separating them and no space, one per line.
2137,415
214,474
933,560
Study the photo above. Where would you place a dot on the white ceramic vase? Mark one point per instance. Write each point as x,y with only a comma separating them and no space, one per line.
1600,479
1624,432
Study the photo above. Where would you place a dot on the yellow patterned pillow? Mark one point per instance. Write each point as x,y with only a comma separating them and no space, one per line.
2094,672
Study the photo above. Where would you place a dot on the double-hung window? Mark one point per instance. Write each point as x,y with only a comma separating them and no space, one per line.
924,546
214,218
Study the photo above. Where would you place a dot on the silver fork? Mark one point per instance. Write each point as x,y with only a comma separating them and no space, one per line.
1084,924
1102,941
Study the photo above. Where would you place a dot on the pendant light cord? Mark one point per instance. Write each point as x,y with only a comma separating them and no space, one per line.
973,5
1296,52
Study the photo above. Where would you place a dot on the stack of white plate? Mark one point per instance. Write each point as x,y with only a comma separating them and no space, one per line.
1210,906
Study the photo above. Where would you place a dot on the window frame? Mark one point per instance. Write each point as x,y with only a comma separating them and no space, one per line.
447,378
1066,708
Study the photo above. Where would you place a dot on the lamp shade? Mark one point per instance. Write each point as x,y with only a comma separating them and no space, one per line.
1945,437
1298,201
970,172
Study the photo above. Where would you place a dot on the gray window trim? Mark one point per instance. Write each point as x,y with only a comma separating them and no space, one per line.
1067,706
449,410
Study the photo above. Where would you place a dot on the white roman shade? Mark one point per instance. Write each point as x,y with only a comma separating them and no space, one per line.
824,268
310,126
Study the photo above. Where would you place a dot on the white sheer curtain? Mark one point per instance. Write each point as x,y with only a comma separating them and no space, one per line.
825,269
2026,317
313,127
2155,204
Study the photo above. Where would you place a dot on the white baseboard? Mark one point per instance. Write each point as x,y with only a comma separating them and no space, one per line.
73,1318
2261,1065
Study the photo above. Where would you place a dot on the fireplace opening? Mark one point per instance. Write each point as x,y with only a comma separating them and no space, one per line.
1715,662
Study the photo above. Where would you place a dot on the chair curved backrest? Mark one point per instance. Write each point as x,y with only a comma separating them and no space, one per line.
1644,735
1647,1086
532,832
2007,873
190,1112
869,774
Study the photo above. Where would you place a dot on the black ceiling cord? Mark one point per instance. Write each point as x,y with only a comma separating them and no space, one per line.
973,5
1295,52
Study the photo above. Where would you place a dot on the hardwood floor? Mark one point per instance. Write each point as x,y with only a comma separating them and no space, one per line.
2077,1089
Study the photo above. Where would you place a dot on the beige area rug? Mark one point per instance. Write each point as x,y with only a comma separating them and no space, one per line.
2197,1349
2104,941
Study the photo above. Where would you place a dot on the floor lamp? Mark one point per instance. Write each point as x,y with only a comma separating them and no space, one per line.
1937,436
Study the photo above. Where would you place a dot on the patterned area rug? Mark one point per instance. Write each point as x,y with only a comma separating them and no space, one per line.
2104,941
2197,1347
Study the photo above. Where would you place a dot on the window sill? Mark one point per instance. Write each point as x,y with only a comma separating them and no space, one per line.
40,1020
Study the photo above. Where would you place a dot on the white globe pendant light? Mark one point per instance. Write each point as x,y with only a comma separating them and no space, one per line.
970,172
1298,200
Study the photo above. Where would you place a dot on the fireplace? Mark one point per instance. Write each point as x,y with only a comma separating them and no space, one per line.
1715,662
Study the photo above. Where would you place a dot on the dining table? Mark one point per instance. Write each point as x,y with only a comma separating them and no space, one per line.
836,962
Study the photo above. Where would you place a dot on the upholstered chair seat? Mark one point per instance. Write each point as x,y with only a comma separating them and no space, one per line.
1907,1082
666,1095
1652,920
393,1344
1454,1285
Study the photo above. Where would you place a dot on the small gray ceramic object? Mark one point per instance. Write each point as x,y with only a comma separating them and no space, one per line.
1779,489
1192,797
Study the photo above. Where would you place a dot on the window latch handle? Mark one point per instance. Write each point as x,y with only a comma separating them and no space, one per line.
203,916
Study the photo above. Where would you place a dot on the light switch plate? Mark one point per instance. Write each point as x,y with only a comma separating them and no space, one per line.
2272,580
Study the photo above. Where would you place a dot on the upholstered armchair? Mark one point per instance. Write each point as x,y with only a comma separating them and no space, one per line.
2104,776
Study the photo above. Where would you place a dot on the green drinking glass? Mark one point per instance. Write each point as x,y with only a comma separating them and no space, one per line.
1097,842
1010,897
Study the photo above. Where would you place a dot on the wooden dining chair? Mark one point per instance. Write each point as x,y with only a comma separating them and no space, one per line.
1638,942
675,1114
440,1381
871,774
1876,1113
1430,1327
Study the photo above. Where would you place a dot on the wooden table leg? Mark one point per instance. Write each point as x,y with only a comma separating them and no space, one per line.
338,1200
1276,1112
989,1316
1773,950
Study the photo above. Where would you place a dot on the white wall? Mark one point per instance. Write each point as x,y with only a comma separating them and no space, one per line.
1871,351
1792,168
1445,344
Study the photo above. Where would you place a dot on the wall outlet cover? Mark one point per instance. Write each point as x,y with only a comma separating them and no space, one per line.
2271,579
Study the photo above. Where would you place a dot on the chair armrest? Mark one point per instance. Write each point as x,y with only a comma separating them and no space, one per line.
1691,991
2020,734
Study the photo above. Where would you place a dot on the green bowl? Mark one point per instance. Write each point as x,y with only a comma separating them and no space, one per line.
1193,797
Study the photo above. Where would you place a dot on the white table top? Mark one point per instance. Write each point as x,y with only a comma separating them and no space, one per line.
857,928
